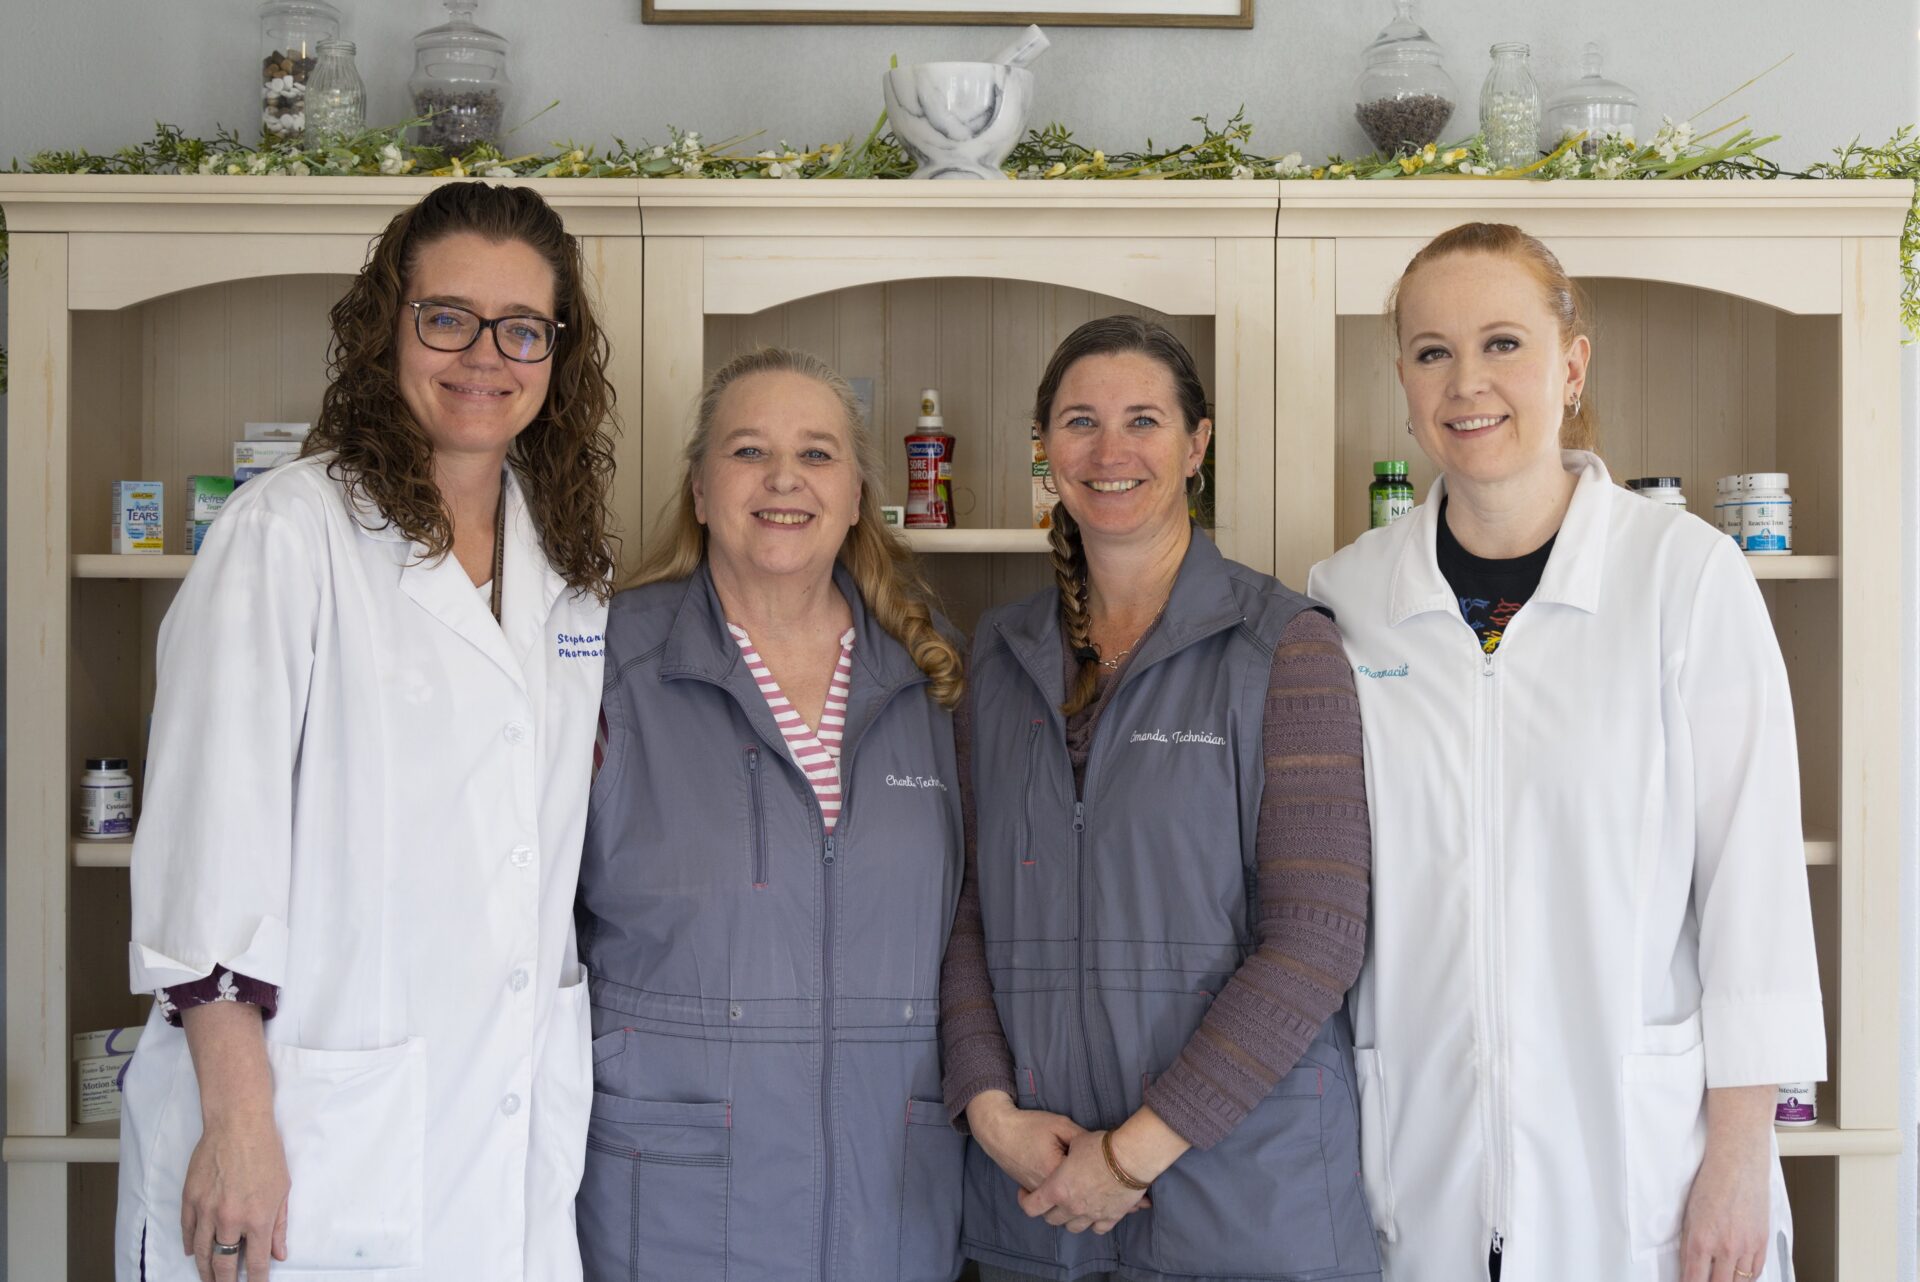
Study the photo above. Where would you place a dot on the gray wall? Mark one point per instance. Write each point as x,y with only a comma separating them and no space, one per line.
97,73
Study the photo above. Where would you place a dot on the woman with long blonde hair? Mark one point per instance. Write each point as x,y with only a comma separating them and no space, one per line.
773,856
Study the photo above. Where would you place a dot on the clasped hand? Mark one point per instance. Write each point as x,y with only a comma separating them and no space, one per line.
1057,1163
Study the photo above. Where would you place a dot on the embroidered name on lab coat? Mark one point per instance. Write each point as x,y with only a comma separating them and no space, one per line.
1378,673
578,645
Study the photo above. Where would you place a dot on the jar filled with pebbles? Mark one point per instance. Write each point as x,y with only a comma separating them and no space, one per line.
1404,96
1592,106
290,36
459,82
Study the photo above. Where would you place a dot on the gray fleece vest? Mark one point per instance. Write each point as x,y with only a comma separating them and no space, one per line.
765,997
1114,917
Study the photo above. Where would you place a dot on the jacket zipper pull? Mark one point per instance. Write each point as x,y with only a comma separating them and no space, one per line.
827,858
1486,665
1079,816
1498,1241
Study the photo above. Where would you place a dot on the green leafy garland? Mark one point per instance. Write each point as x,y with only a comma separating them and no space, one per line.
1674,152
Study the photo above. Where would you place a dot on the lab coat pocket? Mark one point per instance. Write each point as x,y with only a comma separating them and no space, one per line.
1665,1093
653,1206
562,1099
1375,1130
930,1194
354,1127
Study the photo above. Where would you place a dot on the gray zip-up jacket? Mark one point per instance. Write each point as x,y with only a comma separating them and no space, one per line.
1112,917
765,997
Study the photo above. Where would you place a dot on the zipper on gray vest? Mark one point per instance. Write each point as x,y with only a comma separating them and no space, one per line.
1081,895
826,1058
759,820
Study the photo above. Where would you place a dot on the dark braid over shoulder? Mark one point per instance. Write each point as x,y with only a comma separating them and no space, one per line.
1070,574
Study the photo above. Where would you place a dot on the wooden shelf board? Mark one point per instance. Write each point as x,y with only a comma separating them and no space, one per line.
1014,540
131,566
102,852
1795,567
93,1142
1824,1139
1823,849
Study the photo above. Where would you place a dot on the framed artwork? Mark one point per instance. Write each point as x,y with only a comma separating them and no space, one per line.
1010,13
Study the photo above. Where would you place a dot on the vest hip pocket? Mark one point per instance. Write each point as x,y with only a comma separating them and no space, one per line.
1665,1099
930,1194
653,1203
1376,1129
353,1124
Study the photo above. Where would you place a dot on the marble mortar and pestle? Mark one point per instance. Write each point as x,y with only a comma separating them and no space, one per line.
960,119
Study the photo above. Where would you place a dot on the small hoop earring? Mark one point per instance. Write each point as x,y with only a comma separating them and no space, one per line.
1573,410
1409,427
1046,483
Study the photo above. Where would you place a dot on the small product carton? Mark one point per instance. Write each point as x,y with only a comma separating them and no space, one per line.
100,1064
206,495
251,458
139,510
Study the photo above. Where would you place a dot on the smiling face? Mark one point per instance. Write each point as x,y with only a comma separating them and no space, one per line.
1487,374
779,486
476,401
1120,448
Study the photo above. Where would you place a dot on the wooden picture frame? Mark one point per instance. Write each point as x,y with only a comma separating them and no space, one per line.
1006,13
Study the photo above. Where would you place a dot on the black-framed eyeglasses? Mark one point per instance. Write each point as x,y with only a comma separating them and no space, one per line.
446,328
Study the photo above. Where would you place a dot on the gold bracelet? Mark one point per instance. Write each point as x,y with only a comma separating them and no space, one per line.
1113,1165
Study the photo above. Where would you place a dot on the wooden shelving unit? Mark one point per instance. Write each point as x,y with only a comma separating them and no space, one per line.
1745,327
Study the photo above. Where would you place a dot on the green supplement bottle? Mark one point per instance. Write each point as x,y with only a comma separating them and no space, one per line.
1391,492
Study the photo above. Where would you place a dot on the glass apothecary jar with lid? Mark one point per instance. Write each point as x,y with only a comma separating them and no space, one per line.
459,81
336,99
290,36
1510,109
1591,105
1404,96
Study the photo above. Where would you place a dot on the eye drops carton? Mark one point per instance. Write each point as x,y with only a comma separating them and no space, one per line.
139,509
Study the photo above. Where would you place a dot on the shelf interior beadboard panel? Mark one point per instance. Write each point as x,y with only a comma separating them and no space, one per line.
1811,1193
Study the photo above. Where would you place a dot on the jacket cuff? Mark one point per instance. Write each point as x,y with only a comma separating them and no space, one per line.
1198,1114
264,957
1764,1040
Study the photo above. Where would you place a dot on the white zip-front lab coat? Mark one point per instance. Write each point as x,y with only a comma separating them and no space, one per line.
1589,891
361,788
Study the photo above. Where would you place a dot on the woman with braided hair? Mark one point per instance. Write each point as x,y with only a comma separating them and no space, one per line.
1166,888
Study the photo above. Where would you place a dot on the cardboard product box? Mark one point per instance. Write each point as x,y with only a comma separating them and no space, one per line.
139,512
100,1062
250,458
275,431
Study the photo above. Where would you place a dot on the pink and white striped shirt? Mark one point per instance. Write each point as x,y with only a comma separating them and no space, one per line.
816,752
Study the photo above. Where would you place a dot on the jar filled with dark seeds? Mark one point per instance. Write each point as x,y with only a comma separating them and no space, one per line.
290,36
459,82
1404,96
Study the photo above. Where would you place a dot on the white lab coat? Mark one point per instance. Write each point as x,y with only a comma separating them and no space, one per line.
364,790
1589,891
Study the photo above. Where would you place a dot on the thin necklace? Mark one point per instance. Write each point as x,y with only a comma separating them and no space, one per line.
1113,664
499,550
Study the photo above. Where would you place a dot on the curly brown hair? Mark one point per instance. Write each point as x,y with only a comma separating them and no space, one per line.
564,458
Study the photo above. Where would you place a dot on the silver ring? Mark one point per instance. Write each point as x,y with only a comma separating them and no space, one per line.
228,1248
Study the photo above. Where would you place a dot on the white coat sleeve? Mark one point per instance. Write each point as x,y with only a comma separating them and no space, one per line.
1760,1005
213,849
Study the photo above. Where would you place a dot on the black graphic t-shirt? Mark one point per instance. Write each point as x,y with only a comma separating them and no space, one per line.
1490,591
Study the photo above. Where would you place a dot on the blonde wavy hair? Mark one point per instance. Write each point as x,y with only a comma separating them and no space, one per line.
882,565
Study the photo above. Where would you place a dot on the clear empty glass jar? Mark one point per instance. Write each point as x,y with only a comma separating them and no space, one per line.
1404,96
290,36
1590,105
336,100
459,81
1510,109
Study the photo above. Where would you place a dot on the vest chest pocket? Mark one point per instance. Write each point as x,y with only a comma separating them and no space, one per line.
653,1204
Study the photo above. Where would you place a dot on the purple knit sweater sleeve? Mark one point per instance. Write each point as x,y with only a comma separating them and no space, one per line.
973,1047
1315,851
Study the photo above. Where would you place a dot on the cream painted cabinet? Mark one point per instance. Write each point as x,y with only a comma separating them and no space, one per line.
1742,327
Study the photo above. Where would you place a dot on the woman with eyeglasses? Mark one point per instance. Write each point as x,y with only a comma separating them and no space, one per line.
366,787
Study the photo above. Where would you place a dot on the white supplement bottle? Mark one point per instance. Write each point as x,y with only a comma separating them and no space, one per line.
1661,489
1796,1105
106,798
1766,515
1727,493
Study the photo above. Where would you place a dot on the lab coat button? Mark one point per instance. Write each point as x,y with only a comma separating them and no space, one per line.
515,732
517,980
522,856
510,1105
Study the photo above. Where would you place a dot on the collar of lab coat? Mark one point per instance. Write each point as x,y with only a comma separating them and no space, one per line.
441,587
698,645
1201,603
1574,568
